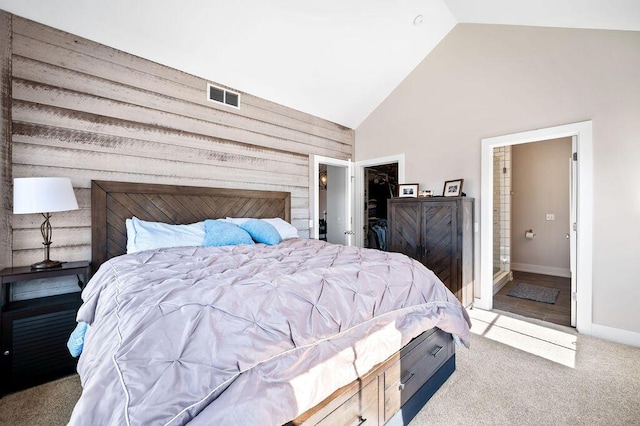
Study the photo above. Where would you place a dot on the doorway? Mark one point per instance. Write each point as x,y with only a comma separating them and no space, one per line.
393,164
331,206
381,184
532,220
582,290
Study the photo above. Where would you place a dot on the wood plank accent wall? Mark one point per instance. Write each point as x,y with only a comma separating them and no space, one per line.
6,194
86,111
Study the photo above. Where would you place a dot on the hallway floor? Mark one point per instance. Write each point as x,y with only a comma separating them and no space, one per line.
558,313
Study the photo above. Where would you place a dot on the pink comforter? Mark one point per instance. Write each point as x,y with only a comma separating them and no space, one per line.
246,334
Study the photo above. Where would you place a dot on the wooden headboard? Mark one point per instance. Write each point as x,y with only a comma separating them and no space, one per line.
114,202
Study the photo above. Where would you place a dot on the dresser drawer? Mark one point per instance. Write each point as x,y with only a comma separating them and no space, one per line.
403,378
360,409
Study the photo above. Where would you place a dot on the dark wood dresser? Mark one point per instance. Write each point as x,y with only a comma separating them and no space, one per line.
438,232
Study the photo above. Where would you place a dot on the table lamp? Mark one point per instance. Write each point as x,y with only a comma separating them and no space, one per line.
43,195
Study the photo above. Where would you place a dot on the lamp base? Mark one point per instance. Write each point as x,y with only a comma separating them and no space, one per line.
46,264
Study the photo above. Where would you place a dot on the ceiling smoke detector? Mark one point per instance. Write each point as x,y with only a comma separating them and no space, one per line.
418,20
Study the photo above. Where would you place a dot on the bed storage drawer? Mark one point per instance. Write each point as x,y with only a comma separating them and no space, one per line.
418,361
361,408
377,396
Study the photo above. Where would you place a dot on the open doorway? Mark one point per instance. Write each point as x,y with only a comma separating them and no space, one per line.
391,165
331,206
581,230
532,221
380,184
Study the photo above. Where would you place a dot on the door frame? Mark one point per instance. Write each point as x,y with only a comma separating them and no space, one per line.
314,180
359,188
583,131
573,236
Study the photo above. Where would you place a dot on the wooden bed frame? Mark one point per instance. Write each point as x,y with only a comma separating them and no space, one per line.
114,202
392,393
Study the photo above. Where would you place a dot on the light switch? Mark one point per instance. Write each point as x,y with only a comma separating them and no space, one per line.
551,216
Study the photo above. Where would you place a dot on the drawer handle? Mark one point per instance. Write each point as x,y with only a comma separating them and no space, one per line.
436,351
404,382
361,420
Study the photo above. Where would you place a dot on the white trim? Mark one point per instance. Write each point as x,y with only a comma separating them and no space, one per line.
573,216
544,270
615,334
359,188
584,133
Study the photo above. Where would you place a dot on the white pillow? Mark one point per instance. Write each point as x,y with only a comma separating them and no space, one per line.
284,228
144,235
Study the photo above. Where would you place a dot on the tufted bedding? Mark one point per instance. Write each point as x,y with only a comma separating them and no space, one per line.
246,334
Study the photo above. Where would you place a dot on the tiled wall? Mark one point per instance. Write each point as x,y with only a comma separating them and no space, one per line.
501,209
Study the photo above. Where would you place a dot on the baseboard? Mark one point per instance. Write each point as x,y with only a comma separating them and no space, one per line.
544,270
506,277
616,334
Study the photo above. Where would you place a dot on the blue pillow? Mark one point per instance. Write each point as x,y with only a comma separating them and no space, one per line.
221,233
262,232
76,340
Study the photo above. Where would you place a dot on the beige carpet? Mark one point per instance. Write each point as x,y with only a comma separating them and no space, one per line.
45,405
494,384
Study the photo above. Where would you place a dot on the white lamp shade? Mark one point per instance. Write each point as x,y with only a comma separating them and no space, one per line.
43,195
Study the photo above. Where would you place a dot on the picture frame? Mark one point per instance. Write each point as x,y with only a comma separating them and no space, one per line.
408,190
425,193
453,188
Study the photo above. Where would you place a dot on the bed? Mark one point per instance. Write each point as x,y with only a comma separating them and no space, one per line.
300,332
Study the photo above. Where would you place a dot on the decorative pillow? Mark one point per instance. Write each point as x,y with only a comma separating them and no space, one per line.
145,235
261,231
223,233
284,228
75,344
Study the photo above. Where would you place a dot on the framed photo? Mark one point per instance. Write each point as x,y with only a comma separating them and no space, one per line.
425,193
408,190
452,188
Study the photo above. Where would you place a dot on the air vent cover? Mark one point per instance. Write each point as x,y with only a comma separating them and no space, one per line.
223,96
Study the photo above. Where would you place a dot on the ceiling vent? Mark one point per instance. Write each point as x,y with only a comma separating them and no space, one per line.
223,96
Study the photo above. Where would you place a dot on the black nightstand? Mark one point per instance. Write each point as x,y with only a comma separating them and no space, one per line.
34,332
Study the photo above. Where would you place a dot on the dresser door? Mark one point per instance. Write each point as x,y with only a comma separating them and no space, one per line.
404,228
439,238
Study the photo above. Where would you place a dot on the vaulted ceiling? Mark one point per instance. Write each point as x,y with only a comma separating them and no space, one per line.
336,59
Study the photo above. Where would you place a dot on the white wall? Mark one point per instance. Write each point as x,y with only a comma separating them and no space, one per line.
491,80
541,187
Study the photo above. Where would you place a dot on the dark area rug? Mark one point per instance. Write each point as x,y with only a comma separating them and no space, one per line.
535,292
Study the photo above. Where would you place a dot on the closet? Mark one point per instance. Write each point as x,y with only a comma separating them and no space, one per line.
438,232
381,185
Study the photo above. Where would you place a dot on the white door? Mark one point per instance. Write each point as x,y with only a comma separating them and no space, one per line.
573,175
339,200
